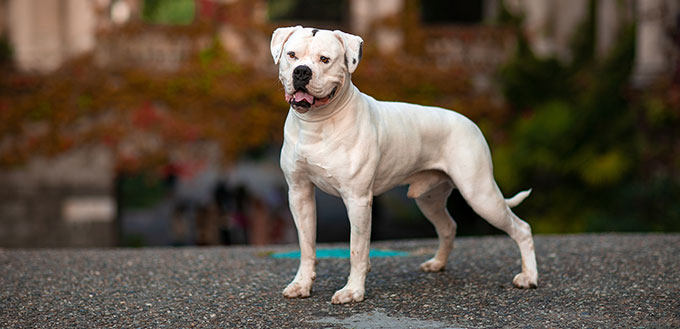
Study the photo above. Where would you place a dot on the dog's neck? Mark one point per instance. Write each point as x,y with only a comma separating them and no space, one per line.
344,96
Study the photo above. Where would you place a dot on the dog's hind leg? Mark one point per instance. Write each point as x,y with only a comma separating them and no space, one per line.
433,205
485,198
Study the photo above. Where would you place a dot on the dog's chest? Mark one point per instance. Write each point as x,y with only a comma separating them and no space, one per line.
323,165
331,153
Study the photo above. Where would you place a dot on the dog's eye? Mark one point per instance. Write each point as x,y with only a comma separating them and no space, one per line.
324,59
291,54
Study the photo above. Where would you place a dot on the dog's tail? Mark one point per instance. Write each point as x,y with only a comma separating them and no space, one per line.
518,198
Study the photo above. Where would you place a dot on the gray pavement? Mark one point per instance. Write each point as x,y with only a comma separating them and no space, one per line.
591,281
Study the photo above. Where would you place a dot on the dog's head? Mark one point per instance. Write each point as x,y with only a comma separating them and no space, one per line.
314,64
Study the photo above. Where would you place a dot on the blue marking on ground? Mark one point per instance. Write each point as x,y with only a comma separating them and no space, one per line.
341,253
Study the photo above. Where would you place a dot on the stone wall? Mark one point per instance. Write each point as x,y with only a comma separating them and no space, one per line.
59,202
45,33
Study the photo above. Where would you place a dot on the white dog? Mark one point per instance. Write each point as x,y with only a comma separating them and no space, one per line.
350,145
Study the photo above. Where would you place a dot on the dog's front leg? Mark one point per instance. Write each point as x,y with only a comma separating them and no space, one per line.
303,208
359,212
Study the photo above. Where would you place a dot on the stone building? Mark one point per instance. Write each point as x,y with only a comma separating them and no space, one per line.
45,33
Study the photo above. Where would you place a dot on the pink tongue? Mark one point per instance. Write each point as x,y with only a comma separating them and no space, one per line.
301,95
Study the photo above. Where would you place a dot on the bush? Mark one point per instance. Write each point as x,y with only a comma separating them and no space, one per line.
579,141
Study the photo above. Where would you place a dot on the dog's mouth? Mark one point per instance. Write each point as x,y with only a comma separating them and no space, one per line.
302,101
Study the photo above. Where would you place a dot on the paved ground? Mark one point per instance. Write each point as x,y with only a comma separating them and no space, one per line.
585,281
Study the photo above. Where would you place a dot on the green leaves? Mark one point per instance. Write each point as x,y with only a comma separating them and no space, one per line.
169,12
605,168
585,143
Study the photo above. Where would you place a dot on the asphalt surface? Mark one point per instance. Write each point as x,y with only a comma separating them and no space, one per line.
601,281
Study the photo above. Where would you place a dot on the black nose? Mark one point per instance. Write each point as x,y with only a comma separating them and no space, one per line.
301,76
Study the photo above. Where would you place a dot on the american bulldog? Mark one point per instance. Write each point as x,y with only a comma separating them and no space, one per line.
352,146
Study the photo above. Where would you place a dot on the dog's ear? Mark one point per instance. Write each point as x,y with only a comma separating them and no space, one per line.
279,38
353,49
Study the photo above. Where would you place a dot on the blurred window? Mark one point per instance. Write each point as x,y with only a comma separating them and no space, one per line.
169,12
452,11
332,12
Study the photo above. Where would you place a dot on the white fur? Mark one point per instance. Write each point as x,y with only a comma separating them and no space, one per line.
355,147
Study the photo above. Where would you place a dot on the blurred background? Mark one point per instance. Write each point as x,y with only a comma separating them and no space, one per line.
159,122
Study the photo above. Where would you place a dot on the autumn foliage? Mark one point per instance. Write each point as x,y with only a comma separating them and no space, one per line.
142,114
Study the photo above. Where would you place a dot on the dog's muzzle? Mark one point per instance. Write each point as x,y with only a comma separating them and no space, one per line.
301,100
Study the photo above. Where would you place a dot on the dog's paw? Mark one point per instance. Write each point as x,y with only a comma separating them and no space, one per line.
433,265
525,281
348,295
297,290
